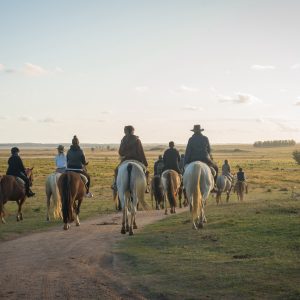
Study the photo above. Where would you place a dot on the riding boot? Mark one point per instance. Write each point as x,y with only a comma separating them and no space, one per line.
114,184
29,192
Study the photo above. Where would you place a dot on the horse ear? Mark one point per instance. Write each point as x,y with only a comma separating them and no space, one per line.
31,168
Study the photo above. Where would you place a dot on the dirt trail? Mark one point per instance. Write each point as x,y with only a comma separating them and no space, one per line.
74,264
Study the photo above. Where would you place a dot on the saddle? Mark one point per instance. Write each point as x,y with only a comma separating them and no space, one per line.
20,180
83,177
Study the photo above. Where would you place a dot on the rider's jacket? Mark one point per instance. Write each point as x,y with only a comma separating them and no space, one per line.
171,160
131,148
75,158
198,148
240,176
15,166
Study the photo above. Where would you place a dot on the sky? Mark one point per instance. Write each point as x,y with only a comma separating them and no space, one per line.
90,67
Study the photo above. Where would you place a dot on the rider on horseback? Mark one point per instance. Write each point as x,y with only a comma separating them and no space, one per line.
76,162
198,149
16,168
226,171
159,166
131,148
172,158
60,159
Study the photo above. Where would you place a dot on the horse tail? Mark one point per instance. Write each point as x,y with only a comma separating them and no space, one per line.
129,170
170,190
56,199
196,193
157,189
66,199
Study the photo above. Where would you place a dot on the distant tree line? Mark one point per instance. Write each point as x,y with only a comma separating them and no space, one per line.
276,143
296,156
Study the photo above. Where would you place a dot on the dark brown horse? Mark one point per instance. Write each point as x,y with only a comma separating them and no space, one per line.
71,188
157,192
13,189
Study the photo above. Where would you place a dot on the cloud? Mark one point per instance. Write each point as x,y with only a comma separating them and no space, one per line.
1,67
285,127
141,89
239,98
4,118
184,88
58,70
297,103
192,108
295,66
34,70
105,112
25,119
47,120
262,68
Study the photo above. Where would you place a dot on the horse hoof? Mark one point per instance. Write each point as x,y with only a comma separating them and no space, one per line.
200,225
123,231
130,232
48,219
78,224
66,226
135,226
18,219
3,221
195,227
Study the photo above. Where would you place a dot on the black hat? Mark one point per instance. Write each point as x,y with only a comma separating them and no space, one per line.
14,150
61,148
75,140
197,128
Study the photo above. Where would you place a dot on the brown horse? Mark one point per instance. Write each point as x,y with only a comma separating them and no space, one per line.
240,188
171,183
71,188
13,189
157,192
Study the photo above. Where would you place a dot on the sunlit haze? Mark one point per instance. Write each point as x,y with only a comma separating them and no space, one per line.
91,67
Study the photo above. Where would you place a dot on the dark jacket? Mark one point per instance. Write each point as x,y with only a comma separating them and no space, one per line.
171,159
198,148
15,166
240,176
131,148
75,158
158,167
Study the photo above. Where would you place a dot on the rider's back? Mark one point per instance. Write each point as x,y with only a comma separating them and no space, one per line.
75,158
198,148
15,166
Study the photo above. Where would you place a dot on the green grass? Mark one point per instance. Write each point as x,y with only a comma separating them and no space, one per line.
246,251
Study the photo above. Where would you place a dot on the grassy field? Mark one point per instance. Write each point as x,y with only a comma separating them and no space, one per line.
247,250
268,170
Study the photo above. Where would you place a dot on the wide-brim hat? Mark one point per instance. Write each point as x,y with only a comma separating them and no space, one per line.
197,128
60,147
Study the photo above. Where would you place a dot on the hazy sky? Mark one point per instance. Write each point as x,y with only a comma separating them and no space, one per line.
89,67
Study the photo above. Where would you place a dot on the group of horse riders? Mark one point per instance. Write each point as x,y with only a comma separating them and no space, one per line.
198,149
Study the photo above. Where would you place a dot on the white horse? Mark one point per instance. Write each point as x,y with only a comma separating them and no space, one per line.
198,182
52,191
131,184
224,184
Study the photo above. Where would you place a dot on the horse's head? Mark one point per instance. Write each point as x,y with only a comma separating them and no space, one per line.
29,174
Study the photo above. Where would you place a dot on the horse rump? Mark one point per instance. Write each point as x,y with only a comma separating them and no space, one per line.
171,192
157,189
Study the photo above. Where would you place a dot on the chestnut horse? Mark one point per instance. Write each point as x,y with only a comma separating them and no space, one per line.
13,189
171,184
71,188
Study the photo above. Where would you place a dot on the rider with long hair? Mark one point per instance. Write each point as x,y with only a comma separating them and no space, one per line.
76,162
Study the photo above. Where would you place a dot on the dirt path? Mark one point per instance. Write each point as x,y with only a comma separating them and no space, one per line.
74,264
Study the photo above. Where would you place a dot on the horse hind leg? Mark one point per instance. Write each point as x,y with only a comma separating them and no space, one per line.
48,207
19,213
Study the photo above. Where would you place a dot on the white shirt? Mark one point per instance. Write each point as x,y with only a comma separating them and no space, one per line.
61,161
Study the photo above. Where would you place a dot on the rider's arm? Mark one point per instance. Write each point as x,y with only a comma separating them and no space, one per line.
141,153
